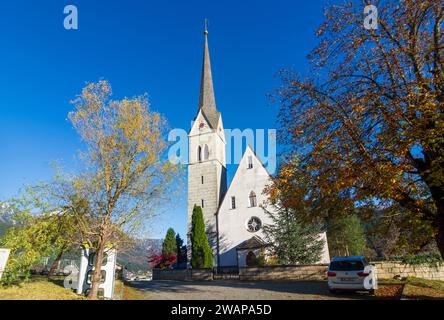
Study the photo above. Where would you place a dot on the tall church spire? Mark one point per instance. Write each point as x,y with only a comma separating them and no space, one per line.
207,102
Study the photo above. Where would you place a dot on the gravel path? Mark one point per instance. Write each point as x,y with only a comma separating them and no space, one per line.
223,290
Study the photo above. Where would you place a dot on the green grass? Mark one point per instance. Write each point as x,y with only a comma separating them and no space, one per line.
418,288
39,288
433,284
42,288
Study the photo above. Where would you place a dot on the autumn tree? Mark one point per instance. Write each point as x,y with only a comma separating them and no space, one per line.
389,233
125,170
366,127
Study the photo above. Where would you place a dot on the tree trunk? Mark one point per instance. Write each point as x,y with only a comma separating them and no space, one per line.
439,221
56,262
97,274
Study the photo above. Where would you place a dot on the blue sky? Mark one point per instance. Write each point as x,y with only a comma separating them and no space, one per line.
139,46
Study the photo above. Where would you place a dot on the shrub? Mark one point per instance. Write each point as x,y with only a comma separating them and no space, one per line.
430,258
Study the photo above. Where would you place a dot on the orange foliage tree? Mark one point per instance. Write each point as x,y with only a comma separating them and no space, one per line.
366,127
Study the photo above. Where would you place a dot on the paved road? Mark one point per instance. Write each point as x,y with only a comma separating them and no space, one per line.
223,290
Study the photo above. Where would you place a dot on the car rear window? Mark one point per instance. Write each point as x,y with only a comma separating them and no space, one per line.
344,265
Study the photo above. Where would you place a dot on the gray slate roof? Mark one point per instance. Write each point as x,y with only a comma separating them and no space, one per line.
252,243
207,101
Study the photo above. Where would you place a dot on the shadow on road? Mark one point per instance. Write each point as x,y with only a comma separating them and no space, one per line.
292,289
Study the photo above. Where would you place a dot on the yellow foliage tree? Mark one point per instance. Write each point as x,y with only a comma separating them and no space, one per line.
126,170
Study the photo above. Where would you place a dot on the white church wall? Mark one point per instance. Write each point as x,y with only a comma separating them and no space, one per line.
233,222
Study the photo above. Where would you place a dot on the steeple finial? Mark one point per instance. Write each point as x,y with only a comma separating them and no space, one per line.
206,27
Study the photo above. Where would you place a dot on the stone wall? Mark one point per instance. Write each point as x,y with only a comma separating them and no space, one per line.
297,272
391,269
183,274
386,270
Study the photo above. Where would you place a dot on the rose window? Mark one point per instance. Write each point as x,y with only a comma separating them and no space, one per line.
254,224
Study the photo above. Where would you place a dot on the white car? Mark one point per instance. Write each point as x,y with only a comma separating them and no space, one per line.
352,273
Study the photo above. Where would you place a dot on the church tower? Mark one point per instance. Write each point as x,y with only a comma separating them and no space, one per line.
207,177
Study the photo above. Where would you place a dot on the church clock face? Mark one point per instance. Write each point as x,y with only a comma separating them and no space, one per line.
254,224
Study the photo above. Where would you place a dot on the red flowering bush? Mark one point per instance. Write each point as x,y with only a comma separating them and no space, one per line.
162,261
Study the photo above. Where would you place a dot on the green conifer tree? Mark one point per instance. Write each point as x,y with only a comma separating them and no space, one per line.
293,241
201,255
181,250
169,243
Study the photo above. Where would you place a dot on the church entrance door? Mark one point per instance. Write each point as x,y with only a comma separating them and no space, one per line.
251,259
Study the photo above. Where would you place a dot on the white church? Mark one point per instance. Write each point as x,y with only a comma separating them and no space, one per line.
233,215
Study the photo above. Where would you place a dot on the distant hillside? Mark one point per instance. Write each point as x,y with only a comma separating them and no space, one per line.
5,222
136,258
3,228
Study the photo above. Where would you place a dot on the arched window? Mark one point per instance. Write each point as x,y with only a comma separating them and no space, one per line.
252,199
206,152
199,153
